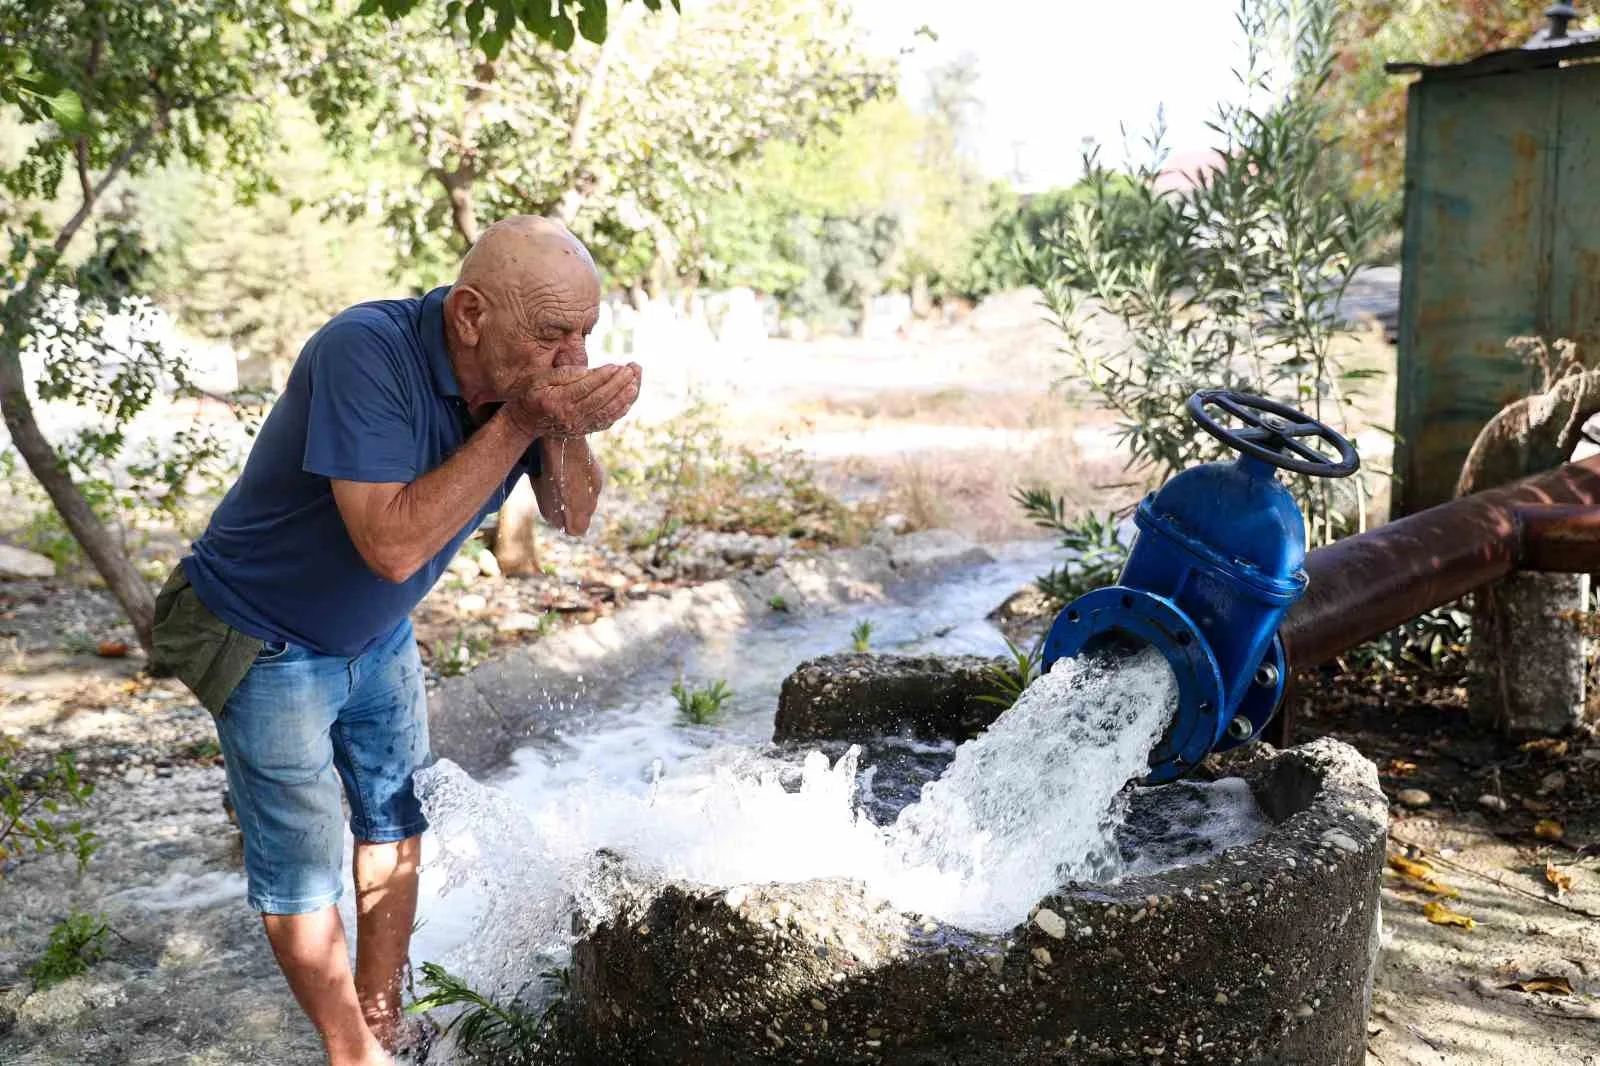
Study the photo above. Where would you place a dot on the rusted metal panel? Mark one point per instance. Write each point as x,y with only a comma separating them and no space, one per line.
1478,177
1502,239
1575,218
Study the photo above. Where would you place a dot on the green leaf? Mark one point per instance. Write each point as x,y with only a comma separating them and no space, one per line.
563,34
67,109
592,20
492,42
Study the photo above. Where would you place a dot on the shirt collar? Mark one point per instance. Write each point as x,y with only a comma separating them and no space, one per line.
444,375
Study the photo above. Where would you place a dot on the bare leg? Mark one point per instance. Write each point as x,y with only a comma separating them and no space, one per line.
312,952
386,908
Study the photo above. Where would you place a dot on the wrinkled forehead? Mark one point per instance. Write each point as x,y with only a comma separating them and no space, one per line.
566,299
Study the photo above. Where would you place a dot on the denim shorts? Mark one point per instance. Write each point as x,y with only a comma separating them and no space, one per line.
298,725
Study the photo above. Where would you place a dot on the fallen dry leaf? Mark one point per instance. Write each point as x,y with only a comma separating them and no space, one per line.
1547,746
1548,829
1420,876
1439,914
1401,766
1560,879
1550,986
1410,867
1432,887
111,649
1537,806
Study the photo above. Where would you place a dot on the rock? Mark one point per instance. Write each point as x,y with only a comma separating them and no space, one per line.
935,549
488,565
1023,605
861,696
18,563
1051,923
1552,782
471,603
518,622
464,567
134,776
678,966
1413,797
1489,801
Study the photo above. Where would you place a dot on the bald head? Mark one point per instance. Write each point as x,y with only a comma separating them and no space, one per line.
526,296
523,248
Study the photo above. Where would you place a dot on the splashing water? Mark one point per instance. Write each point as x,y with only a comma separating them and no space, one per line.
1034,801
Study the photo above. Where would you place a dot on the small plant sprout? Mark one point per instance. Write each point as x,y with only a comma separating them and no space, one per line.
702,705
861,636
1011,678
778,603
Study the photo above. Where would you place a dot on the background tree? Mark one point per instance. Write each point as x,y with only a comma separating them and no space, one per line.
1368,105
492,23
626,141
107,90
261,273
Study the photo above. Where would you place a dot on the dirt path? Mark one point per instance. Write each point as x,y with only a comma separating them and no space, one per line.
1442,994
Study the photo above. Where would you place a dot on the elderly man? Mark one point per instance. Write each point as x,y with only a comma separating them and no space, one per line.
403,424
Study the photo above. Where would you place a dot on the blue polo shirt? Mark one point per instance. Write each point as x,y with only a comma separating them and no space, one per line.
372,397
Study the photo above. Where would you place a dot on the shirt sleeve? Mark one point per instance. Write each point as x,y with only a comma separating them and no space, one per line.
359,426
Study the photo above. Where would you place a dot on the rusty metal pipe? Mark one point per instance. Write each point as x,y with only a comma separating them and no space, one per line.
1365,585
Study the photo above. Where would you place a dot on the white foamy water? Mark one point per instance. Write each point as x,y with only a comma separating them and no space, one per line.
1032,802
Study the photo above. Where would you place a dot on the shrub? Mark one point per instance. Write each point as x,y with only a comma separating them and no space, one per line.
502,1033
1233,283
1011,679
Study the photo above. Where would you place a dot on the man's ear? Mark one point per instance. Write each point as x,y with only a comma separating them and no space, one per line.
464,308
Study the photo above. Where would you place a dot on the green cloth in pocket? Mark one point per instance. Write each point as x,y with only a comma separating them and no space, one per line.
197,647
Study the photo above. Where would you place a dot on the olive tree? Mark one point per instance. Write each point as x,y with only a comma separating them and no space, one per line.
105,90
1232,283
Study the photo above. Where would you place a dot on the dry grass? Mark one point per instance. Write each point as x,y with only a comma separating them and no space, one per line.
970,490
952,405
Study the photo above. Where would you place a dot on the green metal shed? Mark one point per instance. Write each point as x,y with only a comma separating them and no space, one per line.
1502,239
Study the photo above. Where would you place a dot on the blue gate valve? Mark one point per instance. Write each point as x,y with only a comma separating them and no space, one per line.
1217,562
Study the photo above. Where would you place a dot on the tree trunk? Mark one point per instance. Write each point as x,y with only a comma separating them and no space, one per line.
1528,654
581,183
86,528
516,537
516,543
37,452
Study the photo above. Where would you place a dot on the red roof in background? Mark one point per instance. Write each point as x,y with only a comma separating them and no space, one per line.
1183,170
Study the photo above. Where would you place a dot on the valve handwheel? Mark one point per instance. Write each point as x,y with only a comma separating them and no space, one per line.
1274,433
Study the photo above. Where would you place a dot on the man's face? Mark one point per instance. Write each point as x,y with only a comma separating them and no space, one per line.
548,327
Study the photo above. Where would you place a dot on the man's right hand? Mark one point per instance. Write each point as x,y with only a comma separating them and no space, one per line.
571,401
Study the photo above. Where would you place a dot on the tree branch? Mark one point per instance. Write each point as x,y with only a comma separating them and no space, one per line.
92,193
572,199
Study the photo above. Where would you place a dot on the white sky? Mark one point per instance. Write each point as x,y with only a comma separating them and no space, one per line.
1053,72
